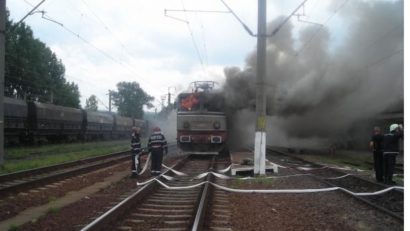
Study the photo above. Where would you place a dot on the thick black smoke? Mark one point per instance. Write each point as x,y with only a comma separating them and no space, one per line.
319,90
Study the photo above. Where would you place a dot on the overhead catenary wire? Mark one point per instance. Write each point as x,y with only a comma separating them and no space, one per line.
106,27
48,18
192,37
108,56
31,11
321,27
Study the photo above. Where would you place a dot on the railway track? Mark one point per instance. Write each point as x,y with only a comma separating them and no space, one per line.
23,180
220,209
27,179
155,207
391,203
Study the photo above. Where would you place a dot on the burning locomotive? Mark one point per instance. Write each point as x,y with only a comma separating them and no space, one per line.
201,120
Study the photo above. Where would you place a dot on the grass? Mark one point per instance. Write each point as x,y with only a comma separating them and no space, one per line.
51,199
53,210
13,228
22,158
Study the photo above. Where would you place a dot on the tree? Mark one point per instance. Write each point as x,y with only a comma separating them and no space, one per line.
33,71
91,103
130,99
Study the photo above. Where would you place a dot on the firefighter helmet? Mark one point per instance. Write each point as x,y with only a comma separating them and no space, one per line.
393,127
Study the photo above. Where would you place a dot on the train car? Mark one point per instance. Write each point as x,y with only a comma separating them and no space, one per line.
37,123
15,121
48,122
201,120
97,125
122,126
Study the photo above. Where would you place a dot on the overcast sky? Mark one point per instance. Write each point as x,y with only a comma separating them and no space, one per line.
132,40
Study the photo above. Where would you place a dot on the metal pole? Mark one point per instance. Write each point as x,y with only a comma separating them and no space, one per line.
109,100
2,66
260,133
169,98
31,11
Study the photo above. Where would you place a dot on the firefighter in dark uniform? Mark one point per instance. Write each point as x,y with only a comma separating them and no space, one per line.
135,152
391,150
376,145
157,145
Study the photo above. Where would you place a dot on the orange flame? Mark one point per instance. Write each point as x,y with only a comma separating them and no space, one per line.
189,102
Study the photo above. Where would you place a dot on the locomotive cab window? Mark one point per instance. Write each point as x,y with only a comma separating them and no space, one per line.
189,102
214,103
200,102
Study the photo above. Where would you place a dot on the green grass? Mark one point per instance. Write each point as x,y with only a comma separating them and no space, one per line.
53,210
13,228
51,199
17,159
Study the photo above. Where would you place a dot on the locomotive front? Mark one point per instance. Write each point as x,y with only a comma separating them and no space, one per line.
201,123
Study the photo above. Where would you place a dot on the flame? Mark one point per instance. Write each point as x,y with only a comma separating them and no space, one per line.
189,102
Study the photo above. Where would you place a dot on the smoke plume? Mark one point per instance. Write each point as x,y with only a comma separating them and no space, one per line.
318,90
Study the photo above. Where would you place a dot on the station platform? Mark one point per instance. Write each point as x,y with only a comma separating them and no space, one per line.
244,162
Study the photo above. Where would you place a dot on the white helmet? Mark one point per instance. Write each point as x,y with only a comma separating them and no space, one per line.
393,127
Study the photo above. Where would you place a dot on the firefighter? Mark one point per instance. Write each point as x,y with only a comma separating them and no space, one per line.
157,145
376,145
391,150
135,152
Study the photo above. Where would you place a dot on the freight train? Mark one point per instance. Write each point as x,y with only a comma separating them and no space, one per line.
201,120
36,123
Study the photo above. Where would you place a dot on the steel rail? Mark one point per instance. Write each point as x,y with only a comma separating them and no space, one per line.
362,199
41,180
201,209
51,168
118,210
30,172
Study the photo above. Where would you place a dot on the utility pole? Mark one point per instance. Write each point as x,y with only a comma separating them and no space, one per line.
169,94
109,100
162,102
169,98
260,133
2,66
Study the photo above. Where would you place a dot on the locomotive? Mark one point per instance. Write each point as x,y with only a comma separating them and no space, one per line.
201,120
35,122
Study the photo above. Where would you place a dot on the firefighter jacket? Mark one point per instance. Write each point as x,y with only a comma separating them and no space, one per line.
157,142
135,143
391,142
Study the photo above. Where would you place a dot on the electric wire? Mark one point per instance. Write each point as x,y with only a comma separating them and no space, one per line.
107,28
193,38
105,54
321,28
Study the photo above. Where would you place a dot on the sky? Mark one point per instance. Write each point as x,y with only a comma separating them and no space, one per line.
134,41
102,43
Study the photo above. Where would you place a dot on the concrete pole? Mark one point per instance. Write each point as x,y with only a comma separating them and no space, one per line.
109,100
2,66
260,133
